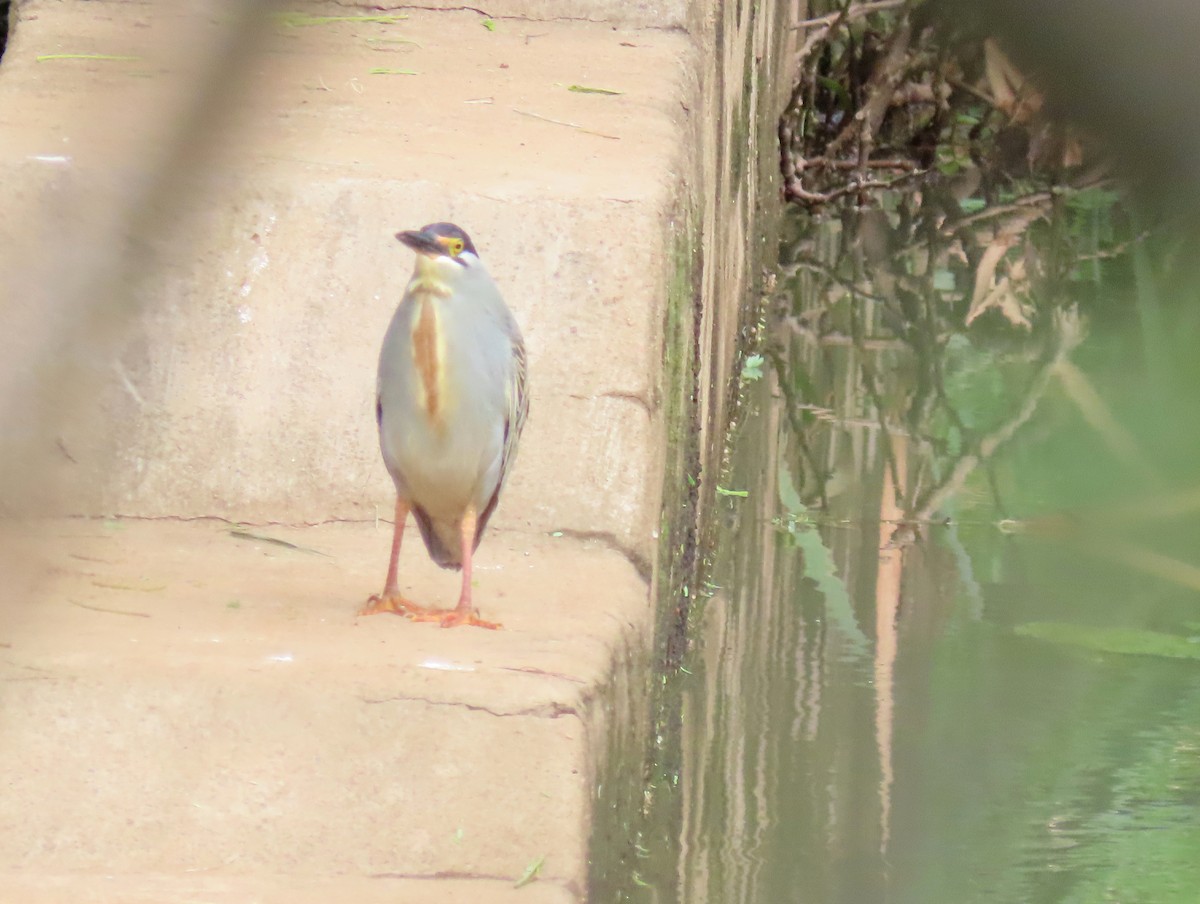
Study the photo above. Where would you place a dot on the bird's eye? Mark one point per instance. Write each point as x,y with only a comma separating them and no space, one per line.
455,246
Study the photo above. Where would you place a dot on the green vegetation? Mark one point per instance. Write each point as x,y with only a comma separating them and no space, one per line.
1123,641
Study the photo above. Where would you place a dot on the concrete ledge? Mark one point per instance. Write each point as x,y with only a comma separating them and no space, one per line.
175,889
181,698
621,13
245,389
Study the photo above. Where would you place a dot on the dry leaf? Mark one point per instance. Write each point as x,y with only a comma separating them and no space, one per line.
1001,293
1011,92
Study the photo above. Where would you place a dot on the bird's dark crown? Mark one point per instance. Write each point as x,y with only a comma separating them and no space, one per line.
450,231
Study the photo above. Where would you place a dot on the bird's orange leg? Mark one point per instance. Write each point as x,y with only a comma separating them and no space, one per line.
462,614
391,600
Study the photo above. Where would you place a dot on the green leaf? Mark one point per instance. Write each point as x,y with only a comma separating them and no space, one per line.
489,24
837,89
301,20
752,368
1093,199
531,872
789,497
742,494
584,89
1127,641
943,281
819,567
949,167
103,57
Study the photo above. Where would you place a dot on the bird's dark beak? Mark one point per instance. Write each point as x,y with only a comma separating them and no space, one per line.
421,242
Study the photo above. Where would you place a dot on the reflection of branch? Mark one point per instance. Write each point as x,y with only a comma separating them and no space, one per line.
852,12
793,188
878,90
960,85
1039,199
1116,251
829,274
1067,336
823,162
831,417
1080,391
867,373
889,580
889,70
1156,508
821,26
1184,574
826,340
791,408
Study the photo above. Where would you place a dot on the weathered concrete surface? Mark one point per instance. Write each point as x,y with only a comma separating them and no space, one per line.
626,13
179,698
741,214
191,716
192,889
246,387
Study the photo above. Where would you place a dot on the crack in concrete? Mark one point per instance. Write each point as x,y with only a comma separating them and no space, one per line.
639,562
442,875
650,407
543,711
388,7
534,671
222,519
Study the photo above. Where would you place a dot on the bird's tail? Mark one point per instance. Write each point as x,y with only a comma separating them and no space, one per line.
441,539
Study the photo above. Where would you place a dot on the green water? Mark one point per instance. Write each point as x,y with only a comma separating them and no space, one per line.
998,701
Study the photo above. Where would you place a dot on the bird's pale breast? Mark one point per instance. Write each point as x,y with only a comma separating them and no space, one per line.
442,412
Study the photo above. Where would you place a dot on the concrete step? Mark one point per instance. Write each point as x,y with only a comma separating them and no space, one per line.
196,699
192,889
245,386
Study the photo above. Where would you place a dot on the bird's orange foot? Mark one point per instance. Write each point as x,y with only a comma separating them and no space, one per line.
454,618
394,603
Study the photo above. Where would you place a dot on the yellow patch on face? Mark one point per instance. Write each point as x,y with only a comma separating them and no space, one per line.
454,247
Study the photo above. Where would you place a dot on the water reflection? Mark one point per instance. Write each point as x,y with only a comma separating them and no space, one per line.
950,656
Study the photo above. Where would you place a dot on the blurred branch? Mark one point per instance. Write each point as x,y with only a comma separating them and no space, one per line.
83,311
1066,336
1080,391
